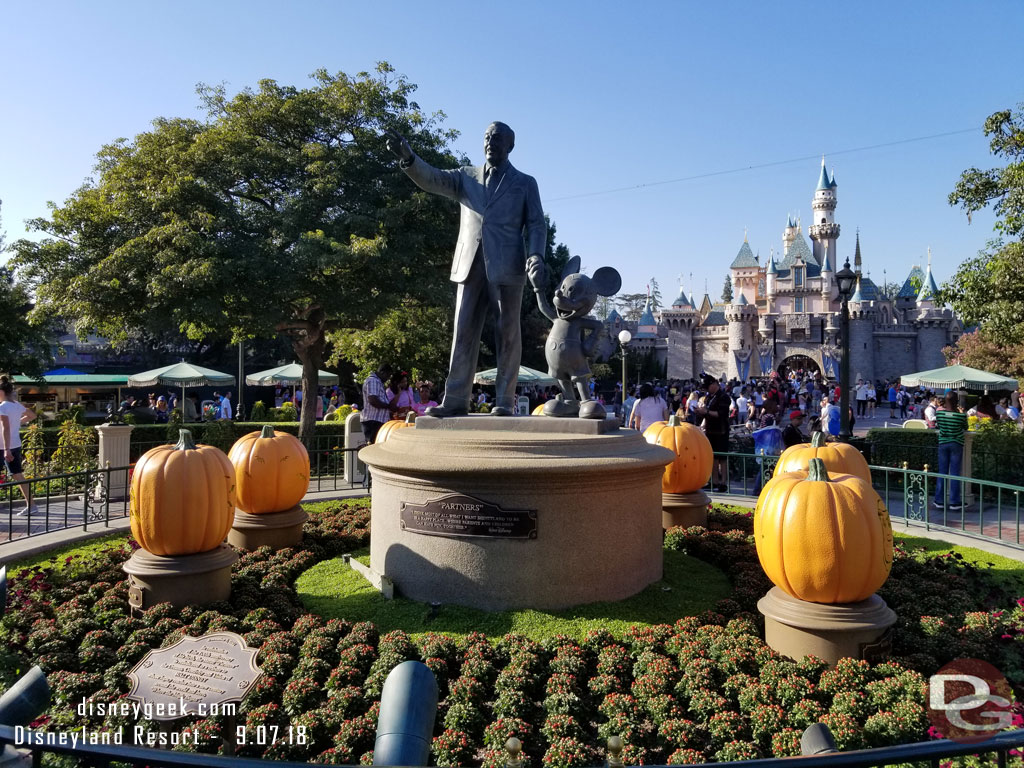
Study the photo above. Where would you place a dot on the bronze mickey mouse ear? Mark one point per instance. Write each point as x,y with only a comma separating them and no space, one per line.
607,281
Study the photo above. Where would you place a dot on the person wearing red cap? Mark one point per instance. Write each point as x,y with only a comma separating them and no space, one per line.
792,435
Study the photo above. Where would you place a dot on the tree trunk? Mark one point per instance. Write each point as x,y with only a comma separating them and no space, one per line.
310,356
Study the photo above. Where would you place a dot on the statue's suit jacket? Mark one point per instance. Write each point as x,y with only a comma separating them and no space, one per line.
494,227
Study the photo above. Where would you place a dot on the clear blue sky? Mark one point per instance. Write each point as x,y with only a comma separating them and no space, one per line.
602,95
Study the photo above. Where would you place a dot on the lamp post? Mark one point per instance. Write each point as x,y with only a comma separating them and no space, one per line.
846,278
624,338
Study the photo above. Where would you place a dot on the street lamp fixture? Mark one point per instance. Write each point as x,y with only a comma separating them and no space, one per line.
846,279
624,338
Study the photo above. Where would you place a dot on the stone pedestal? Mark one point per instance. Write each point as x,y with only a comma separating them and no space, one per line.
276,530
684,509
114,444
354,438
797,628
179,579
516,512
966,468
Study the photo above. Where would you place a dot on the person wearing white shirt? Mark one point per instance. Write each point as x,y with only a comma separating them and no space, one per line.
742,404
862,397
13,415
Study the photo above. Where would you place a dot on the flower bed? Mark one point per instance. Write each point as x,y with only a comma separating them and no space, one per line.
703,688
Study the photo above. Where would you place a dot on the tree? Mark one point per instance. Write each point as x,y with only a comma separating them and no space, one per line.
24,345
987,290
417,336
727,290
655,295
631,305
975,350
280,213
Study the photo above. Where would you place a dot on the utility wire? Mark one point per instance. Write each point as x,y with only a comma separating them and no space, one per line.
762,165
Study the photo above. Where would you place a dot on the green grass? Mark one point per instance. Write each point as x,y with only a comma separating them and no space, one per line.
56,558
1006,573
689,586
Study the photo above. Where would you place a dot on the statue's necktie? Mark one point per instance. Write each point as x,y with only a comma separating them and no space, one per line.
492,181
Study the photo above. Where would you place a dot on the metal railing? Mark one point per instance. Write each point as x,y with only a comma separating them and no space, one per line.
928,753
990,510
85,498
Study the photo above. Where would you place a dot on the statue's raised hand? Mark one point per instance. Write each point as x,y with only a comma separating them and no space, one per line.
535,272
398,146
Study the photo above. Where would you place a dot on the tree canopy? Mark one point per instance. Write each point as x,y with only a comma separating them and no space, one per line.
281,212
24,345
987,290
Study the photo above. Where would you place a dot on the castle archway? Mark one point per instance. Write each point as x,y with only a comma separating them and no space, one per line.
798,362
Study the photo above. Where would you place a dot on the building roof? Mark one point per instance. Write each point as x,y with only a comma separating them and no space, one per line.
741,301
771,266
798,248
681,300
81,379
692,302
716,316
823,180
745,258
866,290
912,285
928,287
613,316
646,320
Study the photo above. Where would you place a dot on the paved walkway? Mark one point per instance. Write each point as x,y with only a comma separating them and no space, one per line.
968,537
66,514
15,544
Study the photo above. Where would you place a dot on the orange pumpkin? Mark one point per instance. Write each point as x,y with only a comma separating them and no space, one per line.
271,471
182,498
821,538
538,411
390,426
839,458
691,468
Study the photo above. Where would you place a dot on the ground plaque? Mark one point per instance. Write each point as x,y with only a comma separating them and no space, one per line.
194,676
459,515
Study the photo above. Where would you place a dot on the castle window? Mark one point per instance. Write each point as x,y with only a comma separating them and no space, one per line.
798,276
798,304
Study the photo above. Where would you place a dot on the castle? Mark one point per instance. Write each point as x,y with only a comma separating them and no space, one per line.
785,314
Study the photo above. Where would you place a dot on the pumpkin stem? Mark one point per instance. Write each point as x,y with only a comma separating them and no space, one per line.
816,471
185,441
267,431
410,417
817,439
673,421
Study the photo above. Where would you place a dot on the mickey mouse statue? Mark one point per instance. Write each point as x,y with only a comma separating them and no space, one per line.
569,347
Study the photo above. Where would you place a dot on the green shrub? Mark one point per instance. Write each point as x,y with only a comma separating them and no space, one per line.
259,411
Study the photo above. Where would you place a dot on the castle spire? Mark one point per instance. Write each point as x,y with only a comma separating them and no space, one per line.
856,254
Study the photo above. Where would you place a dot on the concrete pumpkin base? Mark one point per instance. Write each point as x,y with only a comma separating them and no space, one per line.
505,513
797,628
179,579
277,530
684,509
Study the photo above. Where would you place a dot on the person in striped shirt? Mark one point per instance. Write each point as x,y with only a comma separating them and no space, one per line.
952,424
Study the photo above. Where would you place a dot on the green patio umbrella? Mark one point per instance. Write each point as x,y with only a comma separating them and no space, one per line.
959,376
180,375
526,376
286,374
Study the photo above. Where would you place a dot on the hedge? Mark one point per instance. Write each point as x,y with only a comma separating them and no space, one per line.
997,451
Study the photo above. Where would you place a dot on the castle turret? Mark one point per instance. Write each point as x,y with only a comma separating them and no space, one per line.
933,322
827,284
771,279
824,230
789,233
863,315
679,320
740,315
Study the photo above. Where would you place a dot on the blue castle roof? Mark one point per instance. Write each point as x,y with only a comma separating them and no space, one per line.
745,258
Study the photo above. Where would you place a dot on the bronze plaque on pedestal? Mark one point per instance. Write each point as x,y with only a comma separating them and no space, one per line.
194,676
458,515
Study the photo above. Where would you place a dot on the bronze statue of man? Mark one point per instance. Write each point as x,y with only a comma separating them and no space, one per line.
499,204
